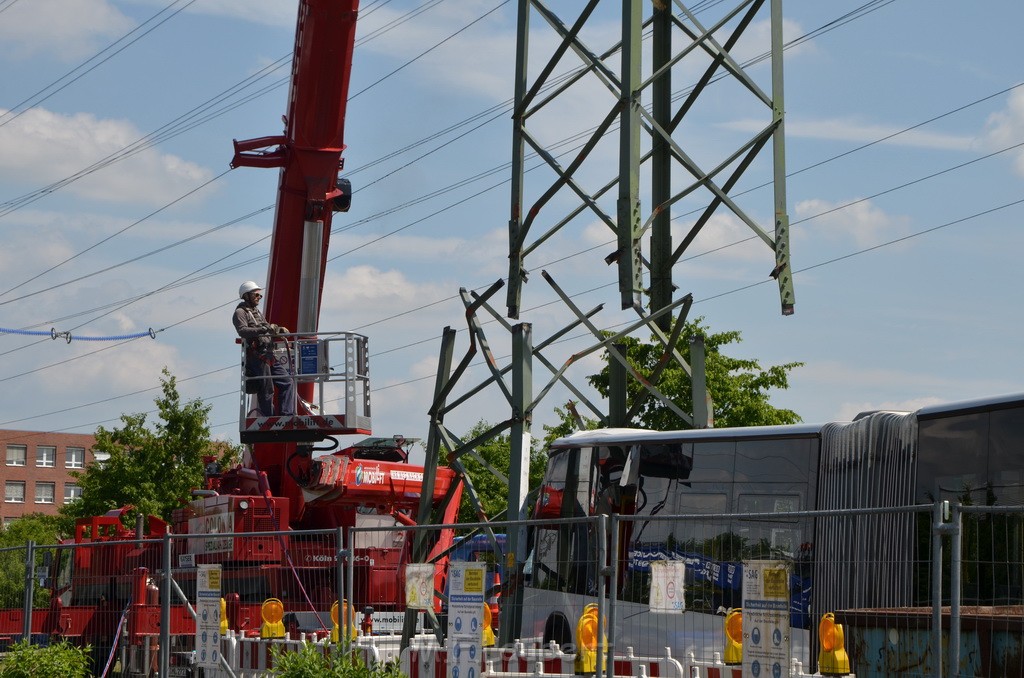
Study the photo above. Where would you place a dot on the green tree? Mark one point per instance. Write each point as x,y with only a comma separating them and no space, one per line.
567,424
151,468
493,492
36,527
740,388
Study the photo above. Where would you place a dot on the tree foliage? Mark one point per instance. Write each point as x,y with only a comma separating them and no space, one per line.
151,468
36,527
492,491
739,387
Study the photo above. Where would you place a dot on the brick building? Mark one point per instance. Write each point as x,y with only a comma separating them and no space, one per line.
37,470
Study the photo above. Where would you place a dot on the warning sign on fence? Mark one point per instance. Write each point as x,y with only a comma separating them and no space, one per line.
765,618
419,586
208,616
667,586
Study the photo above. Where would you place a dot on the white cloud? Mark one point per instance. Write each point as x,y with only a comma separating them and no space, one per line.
66,29
863,221
478,60
371,298
849,410
757,41
124,369
269,12
41,147
1006,128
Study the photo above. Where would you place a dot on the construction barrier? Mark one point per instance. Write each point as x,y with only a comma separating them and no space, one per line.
524,660
253,656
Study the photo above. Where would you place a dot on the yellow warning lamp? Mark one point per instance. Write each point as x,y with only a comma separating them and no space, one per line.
734,636
488,634
336,631
223,617
586,640
272,612
832,659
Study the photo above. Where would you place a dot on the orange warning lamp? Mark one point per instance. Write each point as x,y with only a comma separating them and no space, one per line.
488,633
832,658
734,636
586,640
272,612
346,611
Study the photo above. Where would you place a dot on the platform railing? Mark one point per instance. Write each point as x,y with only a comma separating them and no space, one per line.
329,372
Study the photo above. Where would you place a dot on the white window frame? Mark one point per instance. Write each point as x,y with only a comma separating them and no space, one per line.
53,493
7,494
72,492
69,462
42,459
24,455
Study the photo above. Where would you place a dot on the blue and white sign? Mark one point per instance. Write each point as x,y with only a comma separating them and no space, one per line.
766,618
208,616
466,588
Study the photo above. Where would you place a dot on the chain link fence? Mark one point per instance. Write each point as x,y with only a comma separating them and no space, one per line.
919,591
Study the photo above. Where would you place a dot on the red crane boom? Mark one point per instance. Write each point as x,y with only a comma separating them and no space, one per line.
309,154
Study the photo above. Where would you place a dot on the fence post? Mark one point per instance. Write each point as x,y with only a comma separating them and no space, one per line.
940,511
165,609
30,566
955,563
350,584
602,632
613,586
339,584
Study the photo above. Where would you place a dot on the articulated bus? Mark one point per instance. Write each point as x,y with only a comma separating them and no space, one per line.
968,452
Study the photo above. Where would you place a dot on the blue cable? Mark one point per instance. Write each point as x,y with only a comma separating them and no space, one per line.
53,334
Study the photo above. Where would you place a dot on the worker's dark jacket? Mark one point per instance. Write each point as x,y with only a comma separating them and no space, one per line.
256,334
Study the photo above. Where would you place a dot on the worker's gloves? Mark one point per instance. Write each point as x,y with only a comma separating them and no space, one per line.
278,329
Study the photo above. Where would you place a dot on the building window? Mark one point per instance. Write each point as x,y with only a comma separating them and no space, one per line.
75,457
46,456
16,455
14,492
71,492
44,493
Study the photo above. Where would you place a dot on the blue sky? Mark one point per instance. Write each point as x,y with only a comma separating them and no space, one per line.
904,127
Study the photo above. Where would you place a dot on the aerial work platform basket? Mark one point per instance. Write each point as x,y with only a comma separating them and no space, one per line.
331,399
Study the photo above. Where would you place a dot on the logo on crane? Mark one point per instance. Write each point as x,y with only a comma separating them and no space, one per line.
371,476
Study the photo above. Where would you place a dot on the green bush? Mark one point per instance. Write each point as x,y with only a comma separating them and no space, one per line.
310,663
60,660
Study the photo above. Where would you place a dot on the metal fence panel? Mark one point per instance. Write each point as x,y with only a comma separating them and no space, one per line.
920,591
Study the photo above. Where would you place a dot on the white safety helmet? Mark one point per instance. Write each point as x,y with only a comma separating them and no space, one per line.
246,287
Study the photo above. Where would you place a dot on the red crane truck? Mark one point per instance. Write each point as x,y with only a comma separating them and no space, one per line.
109,580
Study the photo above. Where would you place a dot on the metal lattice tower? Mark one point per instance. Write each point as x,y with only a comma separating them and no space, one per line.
644,131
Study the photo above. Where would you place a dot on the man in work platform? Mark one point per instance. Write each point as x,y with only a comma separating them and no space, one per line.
265,369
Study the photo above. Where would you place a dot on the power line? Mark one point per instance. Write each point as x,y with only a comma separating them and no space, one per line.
806,168
452,205
736,290
80,71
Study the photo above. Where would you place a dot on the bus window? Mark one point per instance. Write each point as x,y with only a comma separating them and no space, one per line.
565,559
779,537
567,489
565,555
706,545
